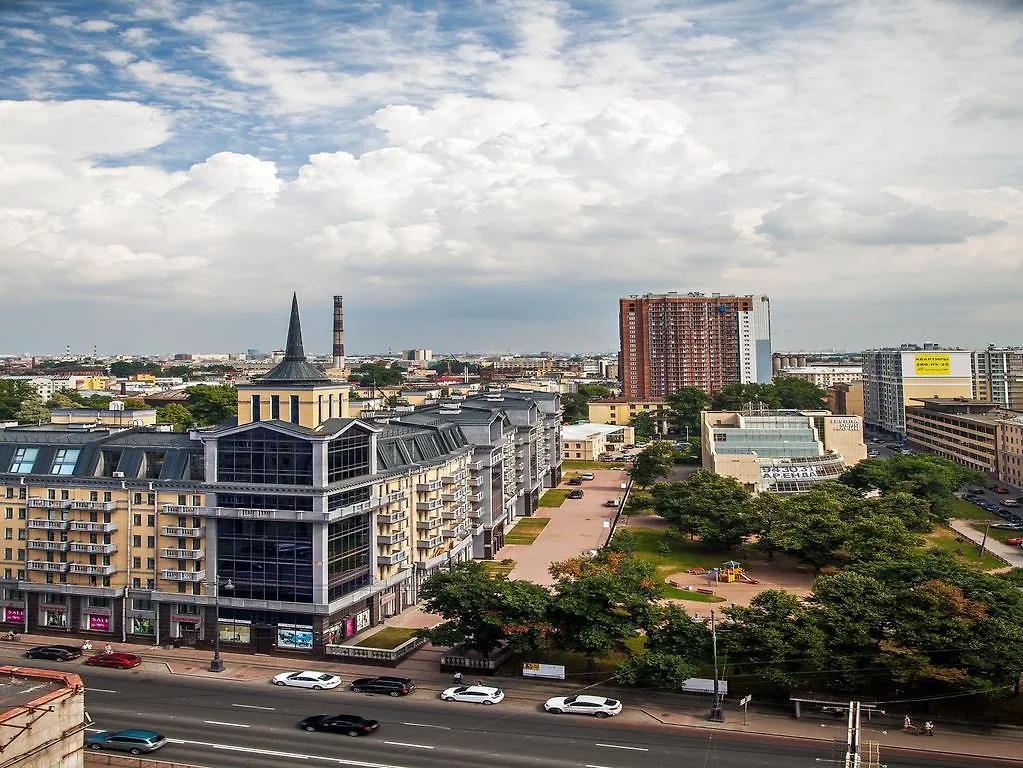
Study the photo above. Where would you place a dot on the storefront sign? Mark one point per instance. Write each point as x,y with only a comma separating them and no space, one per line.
349,626
14,615
295,636
98,623
361,620
186,619
335,634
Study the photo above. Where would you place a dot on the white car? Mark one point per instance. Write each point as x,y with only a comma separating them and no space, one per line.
316,680
581,704
477,694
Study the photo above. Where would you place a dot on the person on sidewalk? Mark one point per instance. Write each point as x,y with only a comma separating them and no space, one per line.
929,728
907,723
87,646
108,648
457,678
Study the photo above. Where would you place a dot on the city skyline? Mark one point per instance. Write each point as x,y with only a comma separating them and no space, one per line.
497,176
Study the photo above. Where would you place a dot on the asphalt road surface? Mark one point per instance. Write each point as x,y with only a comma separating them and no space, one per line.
231,724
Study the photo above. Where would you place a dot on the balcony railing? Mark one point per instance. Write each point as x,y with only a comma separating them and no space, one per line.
393,559
42,565
456,496
392,518
476,466
35,501
93,549
83,525
392,539
182,554
51,546
428,487
453,514
390,498
188,533
429,525
49,525
433,543
476,497
95,506
183,575
93,570
427,506
457,477
454,533
476,481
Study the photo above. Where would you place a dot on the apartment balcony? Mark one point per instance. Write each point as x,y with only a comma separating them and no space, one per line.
456,496
49,546
40,503
429,506
93,549
184,509
392,518
187,533
393,559
454,514
93,570
192,576
48,525
476,466
429,525
182,554
42,565
82,525
476,481
392,538
429,487
476,498
94,506
433,543
456,532
357,507
390,498
457,477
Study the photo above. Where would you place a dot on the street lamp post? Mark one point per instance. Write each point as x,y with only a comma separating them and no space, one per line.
217,663
717,714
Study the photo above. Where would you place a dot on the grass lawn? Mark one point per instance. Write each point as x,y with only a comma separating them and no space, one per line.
967,511
555,497
696,597
680,555
576,464
499,567
388,638
963,550
526,530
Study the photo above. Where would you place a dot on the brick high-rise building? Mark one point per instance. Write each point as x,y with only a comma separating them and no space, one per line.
670,341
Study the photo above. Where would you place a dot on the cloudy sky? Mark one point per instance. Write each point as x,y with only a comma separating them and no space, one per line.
494,174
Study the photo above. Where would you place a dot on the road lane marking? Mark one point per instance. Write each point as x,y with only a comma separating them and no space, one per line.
594,766
406,744
253,706
258,751
428,725
619,746
232,725
100,690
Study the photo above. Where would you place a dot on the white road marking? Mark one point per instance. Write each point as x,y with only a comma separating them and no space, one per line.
595,766
253,706
427,725
619,746
100,690
406,744
258,751
232,725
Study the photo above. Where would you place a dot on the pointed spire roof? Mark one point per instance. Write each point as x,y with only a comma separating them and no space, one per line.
294,369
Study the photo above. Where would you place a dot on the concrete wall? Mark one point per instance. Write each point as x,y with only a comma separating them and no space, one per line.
47,731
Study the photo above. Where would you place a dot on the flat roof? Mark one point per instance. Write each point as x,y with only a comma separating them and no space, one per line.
586,431
27,686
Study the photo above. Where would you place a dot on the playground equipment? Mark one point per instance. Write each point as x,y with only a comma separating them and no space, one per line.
730,572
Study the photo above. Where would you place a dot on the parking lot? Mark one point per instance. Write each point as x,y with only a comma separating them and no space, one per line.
1001,500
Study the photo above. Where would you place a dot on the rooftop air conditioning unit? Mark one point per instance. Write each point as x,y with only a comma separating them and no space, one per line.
118,474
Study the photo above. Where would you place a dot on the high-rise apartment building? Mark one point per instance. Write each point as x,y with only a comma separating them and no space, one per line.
998,376
670,341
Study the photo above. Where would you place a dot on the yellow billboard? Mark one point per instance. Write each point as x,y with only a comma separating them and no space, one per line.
939,364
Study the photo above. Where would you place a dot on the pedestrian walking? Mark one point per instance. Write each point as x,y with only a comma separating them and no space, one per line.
87,646
457,678
907,723
929,728
108,648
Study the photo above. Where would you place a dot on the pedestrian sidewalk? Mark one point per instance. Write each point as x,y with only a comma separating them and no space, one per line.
1011,555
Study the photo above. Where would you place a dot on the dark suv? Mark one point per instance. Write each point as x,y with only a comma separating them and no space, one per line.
393,686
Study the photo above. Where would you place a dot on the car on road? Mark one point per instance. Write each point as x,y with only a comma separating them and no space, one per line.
1015,541
1009,503
133,740
575,481
54,652
476,694
393,686
873,453
1008,526
576,494
318,681
979,491
612,503
116,660
990,506
997,488
353,725
586,476
583,704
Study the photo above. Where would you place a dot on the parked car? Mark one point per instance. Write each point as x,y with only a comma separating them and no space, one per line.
576,494
54,652
117,660
1008,526
393,686
475,694
969,497
582,704
316,680
1015,541
1009,503
992,507
575,481
586,475
976,490
873,453
133,740
611,503
1000,489
353,725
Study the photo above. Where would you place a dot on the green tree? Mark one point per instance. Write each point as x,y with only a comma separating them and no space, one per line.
176,414
382,375
61,400
813,524
575,405
32,411
212,404
685,406
12,394
600,602
931,478
135,403
655,670
736,397
870,537
716,508
643,424
482,611
671,630
799,394
652,463
122,369
768,518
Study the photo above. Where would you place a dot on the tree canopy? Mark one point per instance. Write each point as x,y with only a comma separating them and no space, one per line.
575,404
685,406
643,424
715,508
379,374
652,463
212,404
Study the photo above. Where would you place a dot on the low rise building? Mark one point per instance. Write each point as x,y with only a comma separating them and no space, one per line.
1010,451
968,432
621,411
781,451
589,442
846,399
824,375
42,714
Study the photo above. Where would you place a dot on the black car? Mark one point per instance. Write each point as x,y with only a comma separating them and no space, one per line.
393,686
969,497
54,652
576,481
353,725
576,494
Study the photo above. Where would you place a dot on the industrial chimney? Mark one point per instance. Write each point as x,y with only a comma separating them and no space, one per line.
339,333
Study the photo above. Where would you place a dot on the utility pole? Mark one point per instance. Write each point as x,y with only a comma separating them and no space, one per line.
983,543
717,714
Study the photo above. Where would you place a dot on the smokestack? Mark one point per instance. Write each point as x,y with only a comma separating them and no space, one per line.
339,333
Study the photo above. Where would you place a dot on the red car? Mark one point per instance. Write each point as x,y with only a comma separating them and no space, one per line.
1016,542
118,660
1000,489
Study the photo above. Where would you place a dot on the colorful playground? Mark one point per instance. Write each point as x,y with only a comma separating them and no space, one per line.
735,584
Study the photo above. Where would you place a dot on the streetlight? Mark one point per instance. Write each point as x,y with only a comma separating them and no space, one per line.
717,714
217,663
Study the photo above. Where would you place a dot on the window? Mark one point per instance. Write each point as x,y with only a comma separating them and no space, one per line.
136,541
65,495
136,498
182,500
150,541
151,499
275,406
263,456
136,562
294,409
21,534
93,495
150,520
150,563
136,519
24,460
267,560
348,456
9,513
8,554
255,408
107,496
348,544
64,461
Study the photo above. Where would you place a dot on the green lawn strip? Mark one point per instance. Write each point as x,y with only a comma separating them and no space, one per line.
674,593
574,663
526,530
998,534
964,550
555,497
679,555
967,511
388,637
499,567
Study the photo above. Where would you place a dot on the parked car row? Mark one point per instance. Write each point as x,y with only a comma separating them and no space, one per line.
71,652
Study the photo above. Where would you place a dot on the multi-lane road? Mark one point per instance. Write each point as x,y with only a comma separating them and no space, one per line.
231,724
